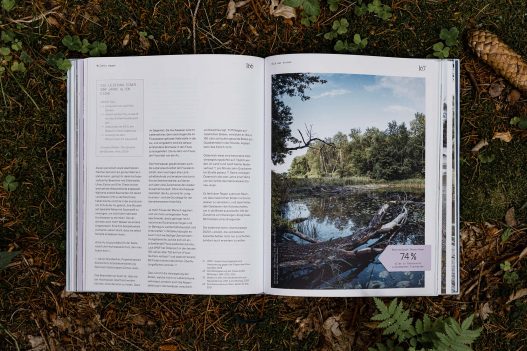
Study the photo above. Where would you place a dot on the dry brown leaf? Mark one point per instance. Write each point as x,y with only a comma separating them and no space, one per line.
305,326
496,88
337,337
517,295
482,143
485,311
46,48
167,348
61,323
37,343
126,39
510,217
52,21
492,230
278,9
514,96
232,6
145,43
523,253
505,136
231,9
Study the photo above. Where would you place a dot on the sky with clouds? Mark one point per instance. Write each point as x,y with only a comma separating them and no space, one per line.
349,101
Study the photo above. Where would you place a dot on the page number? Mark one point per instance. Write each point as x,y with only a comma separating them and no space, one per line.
422,68
249,66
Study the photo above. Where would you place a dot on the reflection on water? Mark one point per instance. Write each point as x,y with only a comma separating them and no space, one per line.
332,216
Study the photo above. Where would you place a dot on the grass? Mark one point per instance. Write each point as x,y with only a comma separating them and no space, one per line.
300,182
33,144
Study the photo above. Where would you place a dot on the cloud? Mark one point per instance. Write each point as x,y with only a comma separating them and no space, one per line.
399,109
403,87
331,93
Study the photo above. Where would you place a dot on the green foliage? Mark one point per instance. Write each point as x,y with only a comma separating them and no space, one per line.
10,183
6,257
424,334
8,5
74,43
506,235
486,157
510,276
450,36
146,35
519,122
394,154
310,10
12,57
292,85
333,5
442,49
376,7
357,44
339,27
59,61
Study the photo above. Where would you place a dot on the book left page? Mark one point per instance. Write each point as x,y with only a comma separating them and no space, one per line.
173,181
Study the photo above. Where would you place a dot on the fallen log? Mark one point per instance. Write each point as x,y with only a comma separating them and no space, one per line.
314,265
301,235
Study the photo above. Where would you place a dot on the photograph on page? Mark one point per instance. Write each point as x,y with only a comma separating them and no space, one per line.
348,180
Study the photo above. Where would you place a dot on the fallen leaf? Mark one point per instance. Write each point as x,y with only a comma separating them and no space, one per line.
510,217
53,21
139,319
336,335
231,9
517,295
167,348
523,253
480,145
37,343
485,311
496,88
505,136
492,230
305,326
278,9
126,39
513,96
232,6
48,48
145,43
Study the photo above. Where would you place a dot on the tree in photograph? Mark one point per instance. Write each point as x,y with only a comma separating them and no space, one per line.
291,84
299,167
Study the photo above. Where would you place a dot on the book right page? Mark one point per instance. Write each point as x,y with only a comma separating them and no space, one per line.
353,178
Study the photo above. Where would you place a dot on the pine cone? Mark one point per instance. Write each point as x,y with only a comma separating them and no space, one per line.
499,56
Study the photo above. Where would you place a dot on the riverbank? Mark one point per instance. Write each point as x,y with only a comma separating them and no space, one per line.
328,185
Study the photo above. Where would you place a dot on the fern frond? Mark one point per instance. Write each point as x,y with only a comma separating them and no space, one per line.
456,337
394,319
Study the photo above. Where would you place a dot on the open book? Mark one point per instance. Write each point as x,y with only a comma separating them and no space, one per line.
306,174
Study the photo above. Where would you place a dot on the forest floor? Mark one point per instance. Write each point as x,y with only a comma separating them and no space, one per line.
37,314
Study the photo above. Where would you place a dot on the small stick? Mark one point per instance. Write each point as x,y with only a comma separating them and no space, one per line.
473,82
194,25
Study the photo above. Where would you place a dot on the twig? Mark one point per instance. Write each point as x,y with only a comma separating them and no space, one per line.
194,25
42,334
50,168
11,336
3,93
36,18
23,89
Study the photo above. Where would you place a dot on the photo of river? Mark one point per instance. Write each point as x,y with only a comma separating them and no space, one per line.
348,176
